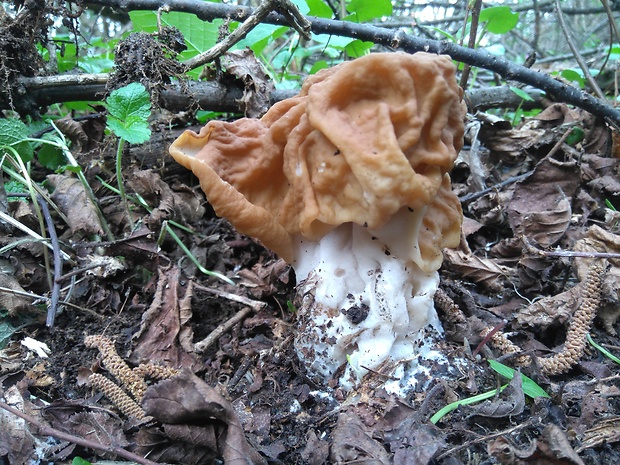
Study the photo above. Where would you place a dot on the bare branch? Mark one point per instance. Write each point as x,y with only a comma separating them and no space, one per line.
393,39
214,96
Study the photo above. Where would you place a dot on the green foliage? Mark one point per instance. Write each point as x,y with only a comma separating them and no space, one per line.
129,108
600,348
199,35
530,388
319,8
365,10
521,93
80,461
14,187
499,19
6,330
13,133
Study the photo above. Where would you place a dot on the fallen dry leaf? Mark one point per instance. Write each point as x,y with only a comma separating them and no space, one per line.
183,205
352,443
509,402
17,443
14,304
257,85
478,270
553,310
540,207
194,412
72,199
165,334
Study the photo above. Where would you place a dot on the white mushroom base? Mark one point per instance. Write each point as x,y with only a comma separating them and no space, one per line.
362,308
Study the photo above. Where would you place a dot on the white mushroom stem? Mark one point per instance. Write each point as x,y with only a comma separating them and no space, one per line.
363,304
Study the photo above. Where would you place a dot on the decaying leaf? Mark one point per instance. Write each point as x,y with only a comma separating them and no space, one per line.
17,443
540,207
183,205
14,304
257,85
599,240
509,402
553,310
196,414
606,432
352,443
70,196
479,270
263,279
552,448
165,335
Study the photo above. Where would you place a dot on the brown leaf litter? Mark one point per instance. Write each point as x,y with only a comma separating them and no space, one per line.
244,396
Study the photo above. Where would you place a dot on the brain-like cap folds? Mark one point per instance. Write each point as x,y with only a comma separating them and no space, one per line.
360,142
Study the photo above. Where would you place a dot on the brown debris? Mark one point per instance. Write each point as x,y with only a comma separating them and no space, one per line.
579,325
123,402
117,366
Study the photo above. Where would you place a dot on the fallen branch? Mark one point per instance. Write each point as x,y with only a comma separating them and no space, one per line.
44,430
213,96
394,39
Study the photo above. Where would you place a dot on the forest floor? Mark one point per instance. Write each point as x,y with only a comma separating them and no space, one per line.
531,195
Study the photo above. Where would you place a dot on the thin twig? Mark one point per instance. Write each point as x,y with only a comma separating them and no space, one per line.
582,64
208,341
473,31
565,253
49,431
496,187
51,229
78,271
44,298
483,439
30,232
258,15
256,305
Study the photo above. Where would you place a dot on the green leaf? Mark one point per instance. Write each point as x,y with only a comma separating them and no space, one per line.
130,108
261,36
199,35
365,10
319,8
80,461
131,100
574,76
601,349
499,19
319,65
133,130
530,388
521,93
50,156
12,133
6,331
357,48
576,135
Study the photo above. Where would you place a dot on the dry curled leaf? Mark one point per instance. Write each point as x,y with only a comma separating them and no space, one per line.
352,443
186,404
257,85
511,401
479,270
540,207
72,199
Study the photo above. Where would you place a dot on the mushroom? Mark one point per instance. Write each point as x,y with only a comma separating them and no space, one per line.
348,182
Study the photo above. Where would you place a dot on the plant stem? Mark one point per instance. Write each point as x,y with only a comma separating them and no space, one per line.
119,179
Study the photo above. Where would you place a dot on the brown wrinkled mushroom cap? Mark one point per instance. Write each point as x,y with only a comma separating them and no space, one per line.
359,142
